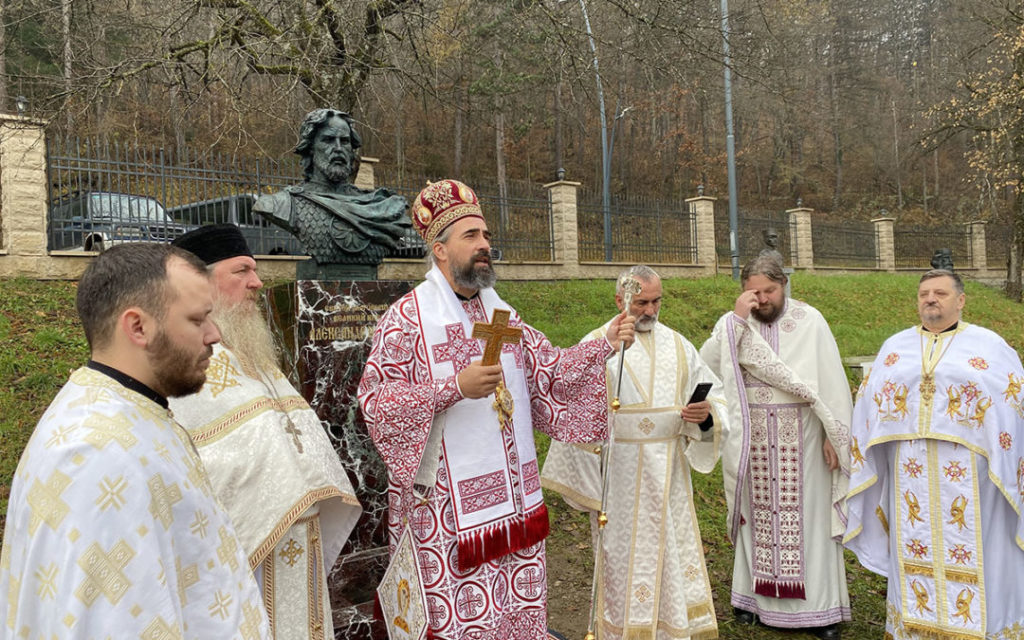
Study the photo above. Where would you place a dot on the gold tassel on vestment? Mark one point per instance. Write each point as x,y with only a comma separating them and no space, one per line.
931,633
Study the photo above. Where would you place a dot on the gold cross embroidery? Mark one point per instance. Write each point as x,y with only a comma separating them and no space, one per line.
159,629
228,549
162,500
103,575
45,502
187,576
105,429
291,552
250,628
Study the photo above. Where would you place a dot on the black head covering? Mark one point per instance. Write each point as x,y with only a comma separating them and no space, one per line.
214,242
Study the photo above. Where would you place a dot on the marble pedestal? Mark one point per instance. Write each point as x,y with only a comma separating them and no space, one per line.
332,326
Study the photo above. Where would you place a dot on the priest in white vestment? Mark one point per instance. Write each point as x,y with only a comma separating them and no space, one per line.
457,434
112,527
653,581
938,474
785,455
268,455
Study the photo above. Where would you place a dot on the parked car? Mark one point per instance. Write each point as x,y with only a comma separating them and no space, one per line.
96,220
263,238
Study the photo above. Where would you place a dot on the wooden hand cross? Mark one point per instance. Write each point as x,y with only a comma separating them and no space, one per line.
497,334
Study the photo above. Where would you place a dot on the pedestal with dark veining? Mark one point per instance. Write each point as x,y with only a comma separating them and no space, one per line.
332,333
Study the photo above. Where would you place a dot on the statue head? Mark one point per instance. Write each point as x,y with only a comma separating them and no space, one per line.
942,259
771,237
329,146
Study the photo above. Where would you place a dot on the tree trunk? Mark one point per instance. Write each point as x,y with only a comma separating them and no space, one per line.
3,61
1013,273
559,141
499,155
460,104
65,15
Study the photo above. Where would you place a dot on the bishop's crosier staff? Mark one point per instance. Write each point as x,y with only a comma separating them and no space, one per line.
630,286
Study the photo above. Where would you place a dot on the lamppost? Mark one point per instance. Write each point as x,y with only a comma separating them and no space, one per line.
730,145
606,156
21,102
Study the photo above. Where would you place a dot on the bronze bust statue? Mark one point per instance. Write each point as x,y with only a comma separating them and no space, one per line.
335,221
942,259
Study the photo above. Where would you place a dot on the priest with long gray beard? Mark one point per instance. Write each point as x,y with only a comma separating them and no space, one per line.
268,457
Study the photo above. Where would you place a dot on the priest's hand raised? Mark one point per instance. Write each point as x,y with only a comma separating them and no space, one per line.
477,380
746,303
621,330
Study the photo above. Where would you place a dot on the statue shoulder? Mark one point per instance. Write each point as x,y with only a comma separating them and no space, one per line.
275,207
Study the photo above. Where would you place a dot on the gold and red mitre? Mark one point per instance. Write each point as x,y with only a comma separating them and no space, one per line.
440,204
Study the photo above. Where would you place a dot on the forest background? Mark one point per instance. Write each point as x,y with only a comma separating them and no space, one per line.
913,106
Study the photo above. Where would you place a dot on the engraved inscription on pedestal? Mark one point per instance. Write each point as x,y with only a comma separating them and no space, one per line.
333,333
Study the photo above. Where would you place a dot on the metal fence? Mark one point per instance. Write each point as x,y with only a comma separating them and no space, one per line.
915,246
847,244
103,193
643,230
752,229
520,224
997,245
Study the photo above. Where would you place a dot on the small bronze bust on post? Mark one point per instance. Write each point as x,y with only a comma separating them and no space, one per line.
942,259
346,230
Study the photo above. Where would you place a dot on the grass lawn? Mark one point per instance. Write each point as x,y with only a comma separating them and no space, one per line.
40,343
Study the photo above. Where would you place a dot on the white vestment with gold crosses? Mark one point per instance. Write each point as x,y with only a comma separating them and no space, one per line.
113,530
654,582
787,392
274,469
938,483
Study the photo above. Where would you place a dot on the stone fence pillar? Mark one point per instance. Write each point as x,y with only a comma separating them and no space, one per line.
22,186
801,242
565,232
979,252
885,249
365,178
703,208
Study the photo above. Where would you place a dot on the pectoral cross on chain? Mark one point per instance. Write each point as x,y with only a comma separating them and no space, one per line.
498,334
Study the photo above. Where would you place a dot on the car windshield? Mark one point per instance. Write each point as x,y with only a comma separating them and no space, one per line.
117,206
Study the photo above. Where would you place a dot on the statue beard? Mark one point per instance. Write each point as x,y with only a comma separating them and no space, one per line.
337,167
246,332
475,274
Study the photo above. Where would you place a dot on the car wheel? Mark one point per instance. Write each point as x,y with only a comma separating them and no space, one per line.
94,244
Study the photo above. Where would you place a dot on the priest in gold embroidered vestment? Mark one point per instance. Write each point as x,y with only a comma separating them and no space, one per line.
654,582
268,456
112,527
462,468
938,474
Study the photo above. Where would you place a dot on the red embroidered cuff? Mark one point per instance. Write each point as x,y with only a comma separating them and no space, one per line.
446,394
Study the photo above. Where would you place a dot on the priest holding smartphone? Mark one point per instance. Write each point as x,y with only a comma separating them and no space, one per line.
652,580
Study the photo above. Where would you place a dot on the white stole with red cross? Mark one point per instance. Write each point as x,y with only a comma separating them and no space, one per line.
492,472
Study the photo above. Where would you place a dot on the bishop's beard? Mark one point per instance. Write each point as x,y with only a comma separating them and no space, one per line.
246,332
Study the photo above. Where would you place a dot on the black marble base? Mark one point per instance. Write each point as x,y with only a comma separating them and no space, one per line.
331,324
311,270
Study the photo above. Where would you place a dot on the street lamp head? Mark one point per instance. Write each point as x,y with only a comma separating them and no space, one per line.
21,102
